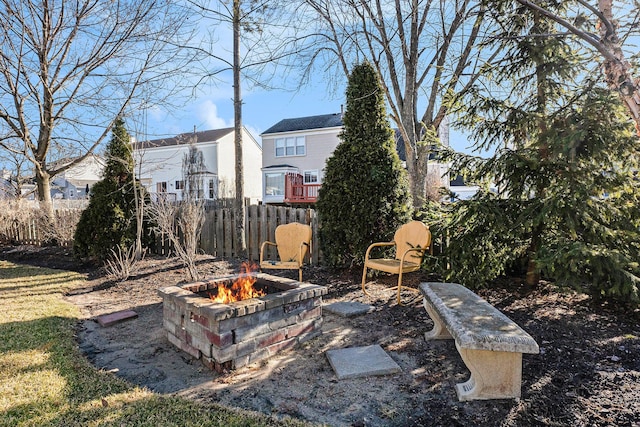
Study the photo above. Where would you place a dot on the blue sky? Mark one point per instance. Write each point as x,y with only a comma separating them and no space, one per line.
261,109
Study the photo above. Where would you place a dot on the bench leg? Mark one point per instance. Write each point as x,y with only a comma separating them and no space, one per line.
494,375
439,332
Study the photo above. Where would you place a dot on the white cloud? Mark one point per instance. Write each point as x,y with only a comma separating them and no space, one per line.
207,112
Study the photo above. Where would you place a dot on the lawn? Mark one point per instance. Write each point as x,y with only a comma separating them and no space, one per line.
45,381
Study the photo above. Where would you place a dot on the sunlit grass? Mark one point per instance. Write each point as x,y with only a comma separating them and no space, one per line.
45,381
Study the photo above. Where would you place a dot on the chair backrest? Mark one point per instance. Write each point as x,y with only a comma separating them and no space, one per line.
289,237
413,234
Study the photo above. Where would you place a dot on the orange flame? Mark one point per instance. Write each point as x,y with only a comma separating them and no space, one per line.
241,289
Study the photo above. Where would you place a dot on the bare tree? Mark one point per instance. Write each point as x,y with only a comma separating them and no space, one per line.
599,16
421,50
69,67
15,178
255,47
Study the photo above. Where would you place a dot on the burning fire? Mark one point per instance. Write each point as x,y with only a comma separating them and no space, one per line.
241,289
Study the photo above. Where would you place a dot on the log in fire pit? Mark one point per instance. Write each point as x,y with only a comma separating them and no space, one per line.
228,335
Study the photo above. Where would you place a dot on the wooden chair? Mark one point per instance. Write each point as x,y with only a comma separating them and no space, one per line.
293,242
411,241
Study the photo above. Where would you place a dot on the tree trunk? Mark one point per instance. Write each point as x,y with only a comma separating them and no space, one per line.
237,113
617,70
533,273
43,185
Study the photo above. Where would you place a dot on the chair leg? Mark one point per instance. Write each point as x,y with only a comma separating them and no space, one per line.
364,278
399,284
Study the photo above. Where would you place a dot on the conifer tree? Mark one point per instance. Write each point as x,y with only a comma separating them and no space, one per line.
568,202
110,220
364,195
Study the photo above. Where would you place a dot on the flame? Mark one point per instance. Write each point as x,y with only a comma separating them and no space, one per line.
241,289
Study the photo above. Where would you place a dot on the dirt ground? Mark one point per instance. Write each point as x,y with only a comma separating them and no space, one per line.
587,372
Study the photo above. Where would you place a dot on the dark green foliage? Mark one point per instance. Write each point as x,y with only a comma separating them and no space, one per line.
110,219
567,206
589,213
364,195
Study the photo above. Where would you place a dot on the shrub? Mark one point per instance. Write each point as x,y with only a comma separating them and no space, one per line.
110,220
364,195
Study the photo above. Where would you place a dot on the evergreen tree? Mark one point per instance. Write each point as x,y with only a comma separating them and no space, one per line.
364,195
110,219
568,202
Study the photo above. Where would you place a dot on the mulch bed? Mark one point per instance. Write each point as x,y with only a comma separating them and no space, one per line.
587,372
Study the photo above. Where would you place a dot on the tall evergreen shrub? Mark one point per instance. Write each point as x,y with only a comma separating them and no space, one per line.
568,197
364,195
109,221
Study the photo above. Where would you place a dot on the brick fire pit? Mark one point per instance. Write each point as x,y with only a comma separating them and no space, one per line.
228,336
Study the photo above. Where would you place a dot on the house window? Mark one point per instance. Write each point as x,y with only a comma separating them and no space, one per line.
311,177
161,187
274,184
200,190
179,185
292,146
212,189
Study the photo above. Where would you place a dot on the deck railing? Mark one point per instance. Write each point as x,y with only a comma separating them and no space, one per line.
296,191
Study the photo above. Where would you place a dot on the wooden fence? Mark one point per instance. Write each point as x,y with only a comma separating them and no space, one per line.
217,239
218,233
27,228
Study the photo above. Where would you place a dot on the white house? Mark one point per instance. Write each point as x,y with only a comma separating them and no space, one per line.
161,165
73,183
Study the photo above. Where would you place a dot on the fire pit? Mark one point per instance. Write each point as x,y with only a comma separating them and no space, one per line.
234,334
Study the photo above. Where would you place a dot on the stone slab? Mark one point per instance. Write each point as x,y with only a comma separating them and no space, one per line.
356,362
116,317
348,308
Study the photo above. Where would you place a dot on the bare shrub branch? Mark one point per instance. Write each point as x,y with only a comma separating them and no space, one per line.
122,264
182,223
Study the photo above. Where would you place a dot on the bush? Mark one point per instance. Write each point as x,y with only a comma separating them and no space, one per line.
364,195
110,220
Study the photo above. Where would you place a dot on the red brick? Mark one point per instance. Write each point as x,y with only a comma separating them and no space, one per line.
220,340
117,317
203,320
303,328
272,338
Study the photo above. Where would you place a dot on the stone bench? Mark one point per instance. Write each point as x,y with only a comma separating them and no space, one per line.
490,344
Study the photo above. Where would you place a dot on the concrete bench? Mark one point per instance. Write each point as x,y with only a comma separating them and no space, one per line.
490,344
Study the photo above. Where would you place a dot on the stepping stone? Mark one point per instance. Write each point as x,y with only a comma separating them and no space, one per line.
355,362
348,309
116,317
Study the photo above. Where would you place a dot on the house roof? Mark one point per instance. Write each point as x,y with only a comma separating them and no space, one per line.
303,123
183,138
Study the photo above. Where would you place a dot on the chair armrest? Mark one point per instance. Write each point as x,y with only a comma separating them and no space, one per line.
374,245
404,255
265,243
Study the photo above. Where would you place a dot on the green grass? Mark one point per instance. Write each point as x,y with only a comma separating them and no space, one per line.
45,381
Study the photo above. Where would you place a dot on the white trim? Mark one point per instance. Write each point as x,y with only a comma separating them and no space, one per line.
304,132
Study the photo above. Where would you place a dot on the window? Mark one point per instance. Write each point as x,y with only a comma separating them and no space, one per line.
311,177
179,185
199,189
292,146
161,187
274,184
212,189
